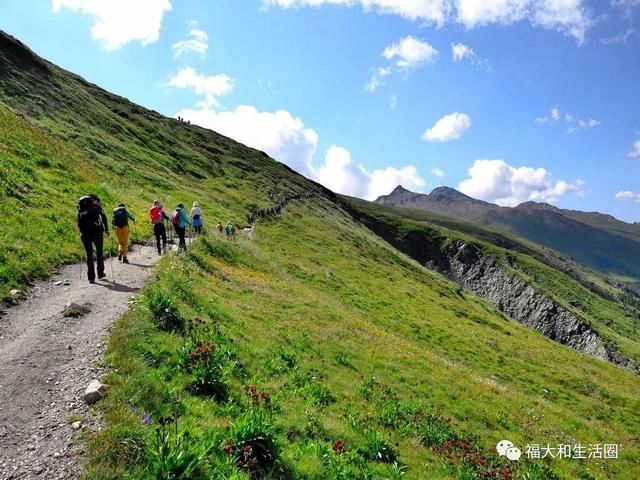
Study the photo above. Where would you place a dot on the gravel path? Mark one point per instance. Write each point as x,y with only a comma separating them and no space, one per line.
47,360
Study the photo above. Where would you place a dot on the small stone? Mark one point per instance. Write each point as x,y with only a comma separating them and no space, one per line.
75,310
14,292
95,392
38,469
69,347
76,425
57,284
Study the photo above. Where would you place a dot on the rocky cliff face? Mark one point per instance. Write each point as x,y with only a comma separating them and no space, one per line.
505,290
487,278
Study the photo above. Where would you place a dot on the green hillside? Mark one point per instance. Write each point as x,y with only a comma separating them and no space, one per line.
607,308
312,350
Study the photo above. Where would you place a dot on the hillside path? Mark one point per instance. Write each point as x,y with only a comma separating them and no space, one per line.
47,361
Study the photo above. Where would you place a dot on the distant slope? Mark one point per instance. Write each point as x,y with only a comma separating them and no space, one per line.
593,239
349,338
531,285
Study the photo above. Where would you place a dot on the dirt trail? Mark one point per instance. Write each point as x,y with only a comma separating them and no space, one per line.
46,362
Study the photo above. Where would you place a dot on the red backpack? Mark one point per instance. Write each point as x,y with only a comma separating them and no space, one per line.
155,214
175,218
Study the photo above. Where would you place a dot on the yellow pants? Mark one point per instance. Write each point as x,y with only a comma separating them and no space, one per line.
122,234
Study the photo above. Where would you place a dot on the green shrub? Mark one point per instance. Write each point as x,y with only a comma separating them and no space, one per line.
165,312
377,448
433,431
173,456
205,362
318,394
252,443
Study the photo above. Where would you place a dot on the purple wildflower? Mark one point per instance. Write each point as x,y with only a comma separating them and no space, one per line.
146,419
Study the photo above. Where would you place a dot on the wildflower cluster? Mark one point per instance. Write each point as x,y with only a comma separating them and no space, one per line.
261,398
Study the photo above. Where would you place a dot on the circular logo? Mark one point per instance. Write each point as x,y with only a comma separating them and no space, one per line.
513,454
503,446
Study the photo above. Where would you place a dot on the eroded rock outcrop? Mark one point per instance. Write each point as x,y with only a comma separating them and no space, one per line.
484,276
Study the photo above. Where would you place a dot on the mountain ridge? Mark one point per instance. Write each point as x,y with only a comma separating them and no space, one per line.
598,240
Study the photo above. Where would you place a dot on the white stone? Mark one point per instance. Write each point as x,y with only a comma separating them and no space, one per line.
95,392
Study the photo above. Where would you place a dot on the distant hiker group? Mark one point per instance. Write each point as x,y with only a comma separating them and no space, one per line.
93,225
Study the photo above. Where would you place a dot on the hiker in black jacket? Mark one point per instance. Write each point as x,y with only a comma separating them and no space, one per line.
93,224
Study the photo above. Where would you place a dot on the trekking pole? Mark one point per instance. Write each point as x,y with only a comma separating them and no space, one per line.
113,275
189,235
135,231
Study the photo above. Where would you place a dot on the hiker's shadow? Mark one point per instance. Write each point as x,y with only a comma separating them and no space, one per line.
119,287
141,265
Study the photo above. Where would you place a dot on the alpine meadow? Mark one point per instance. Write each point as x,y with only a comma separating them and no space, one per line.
335,338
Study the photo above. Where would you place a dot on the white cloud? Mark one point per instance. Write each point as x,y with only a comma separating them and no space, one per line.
621,38
626,5
635,151
498,182
287,139
554,116
449,127
460,51
278,133
118,22
341,174
210,87
628,195
567,16
393,101
573,124
410,52
438,172
427,11
407,54
378,79
570,17
196,43
582,125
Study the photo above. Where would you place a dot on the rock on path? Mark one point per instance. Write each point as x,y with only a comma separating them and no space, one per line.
47,361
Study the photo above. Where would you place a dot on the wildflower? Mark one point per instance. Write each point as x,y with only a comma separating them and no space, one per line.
253,393
338,446
228,448
146,419
266,399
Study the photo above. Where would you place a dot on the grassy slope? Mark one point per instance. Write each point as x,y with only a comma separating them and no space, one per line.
616,322
118,150
314,287
313,308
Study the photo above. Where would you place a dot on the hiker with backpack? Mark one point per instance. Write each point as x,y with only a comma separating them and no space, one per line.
157,216
196,218
120,222
180,220
92,223
230,229
220,228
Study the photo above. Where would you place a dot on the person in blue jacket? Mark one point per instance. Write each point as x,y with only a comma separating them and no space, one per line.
180,220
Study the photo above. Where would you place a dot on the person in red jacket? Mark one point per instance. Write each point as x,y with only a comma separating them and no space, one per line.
157,216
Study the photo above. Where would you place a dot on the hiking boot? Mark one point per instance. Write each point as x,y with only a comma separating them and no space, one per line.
101,276
119,257
125,260
92,281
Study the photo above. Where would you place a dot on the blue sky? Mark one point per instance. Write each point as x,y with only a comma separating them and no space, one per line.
539,99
